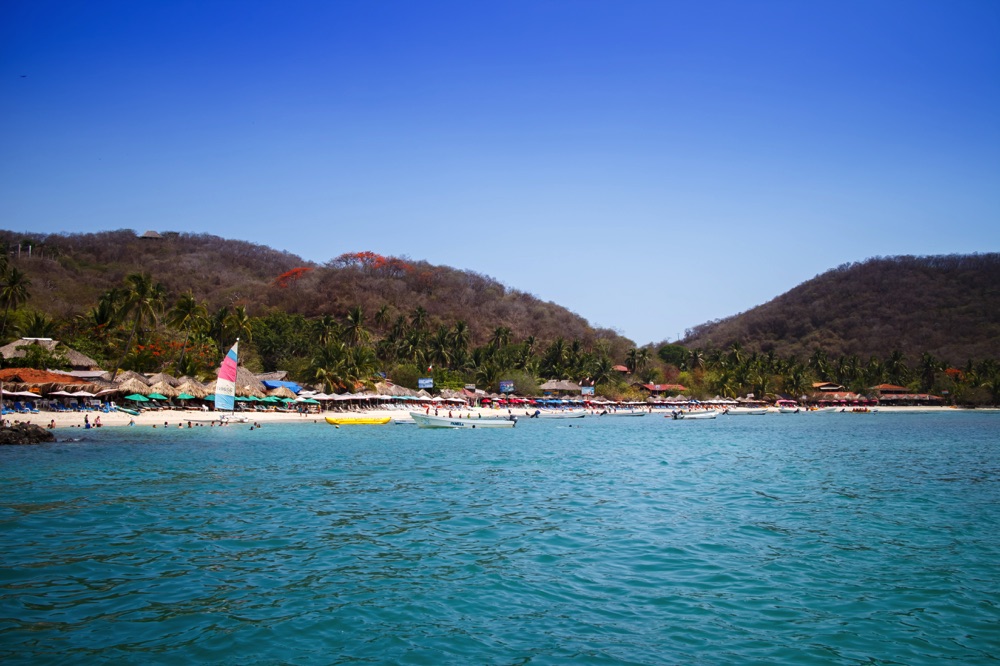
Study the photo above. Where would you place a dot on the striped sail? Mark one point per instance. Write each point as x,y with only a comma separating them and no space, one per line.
225,387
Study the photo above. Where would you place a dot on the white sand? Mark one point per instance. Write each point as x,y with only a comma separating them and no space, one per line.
174,418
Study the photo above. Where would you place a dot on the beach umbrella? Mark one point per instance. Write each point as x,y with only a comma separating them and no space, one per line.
271,399
137,398
157,396
82,394
185,396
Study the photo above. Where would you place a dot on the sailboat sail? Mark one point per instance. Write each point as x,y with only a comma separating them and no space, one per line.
225,386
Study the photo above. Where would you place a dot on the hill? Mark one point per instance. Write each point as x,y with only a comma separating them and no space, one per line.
948,306
69,273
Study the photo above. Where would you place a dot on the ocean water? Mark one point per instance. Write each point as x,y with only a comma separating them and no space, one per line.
782,539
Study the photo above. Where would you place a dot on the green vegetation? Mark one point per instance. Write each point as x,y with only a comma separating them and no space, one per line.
178,303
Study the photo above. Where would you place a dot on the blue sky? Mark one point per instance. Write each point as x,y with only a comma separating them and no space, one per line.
649,165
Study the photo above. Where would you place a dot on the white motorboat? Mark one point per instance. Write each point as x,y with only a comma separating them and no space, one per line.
746,411
687,416
428,421
559,414
622,413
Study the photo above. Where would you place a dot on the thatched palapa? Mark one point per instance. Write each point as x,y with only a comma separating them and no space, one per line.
163,377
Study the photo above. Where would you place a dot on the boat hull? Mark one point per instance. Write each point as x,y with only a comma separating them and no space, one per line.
428,421
623,414
695,416
560,415
358,420
746,411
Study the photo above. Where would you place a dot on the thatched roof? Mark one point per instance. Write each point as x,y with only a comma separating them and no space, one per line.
282,392
163,377
387,388
560,385
190,381
277,376
163,388
129,374
76,359
134,385
197,389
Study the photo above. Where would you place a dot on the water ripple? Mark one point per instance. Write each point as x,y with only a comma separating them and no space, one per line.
819,539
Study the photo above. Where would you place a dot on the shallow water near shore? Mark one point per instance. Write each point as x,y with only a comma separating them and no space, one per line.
781,539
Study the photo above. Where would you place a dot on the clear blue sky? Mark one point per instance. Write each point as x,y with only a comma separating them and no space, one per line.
650,165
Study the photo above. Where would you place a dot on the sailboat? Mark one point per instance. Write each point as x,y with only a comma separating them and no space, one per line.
225,386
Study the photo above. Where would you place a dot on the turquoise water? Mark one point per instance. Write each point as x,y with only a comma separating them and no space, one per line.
783,539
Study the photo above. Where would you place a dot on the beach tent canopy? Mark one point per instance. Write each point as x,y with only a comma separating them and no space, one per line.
273,384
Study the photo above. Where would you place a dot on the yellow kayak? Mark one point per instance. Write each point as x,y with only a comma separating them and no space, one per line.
357,420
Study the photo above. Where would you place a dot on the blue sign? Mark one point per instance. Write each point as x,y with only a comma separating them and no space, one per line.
425,382
506,387
586,390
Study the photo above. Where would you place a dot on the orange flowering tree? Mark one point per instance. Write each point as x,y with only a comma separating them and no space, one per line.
289,278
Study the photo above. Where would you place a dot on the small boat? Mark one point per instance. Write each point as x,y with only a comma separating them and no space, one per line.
565,414
126,410
788,407
746,411
428,421
357,420
687,416
622,414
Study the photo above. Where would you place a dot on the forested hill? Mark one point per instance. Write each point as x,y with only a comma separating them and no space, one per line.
948,306
69,274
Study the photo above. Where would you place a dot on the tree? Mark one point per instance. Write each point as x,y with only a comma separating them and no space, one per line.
500,338
39,325
355,333
186,315
143,300
239,324
13,293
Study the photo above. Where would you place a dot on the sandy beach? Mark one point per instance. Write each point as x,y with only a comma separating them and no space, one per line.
180,418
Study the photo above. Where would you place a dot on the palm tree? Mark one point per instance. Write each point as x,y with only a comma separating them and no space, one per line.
13,293
186,315
500,338
601,370
143,300
460,337
240,324
327,329
354,332
418,318
895,368
218,328
382,316
39,326
929,367
439,351
329,364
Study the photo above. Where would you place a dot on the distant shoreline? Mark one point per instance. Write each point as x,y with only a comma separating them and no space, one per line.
180,418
